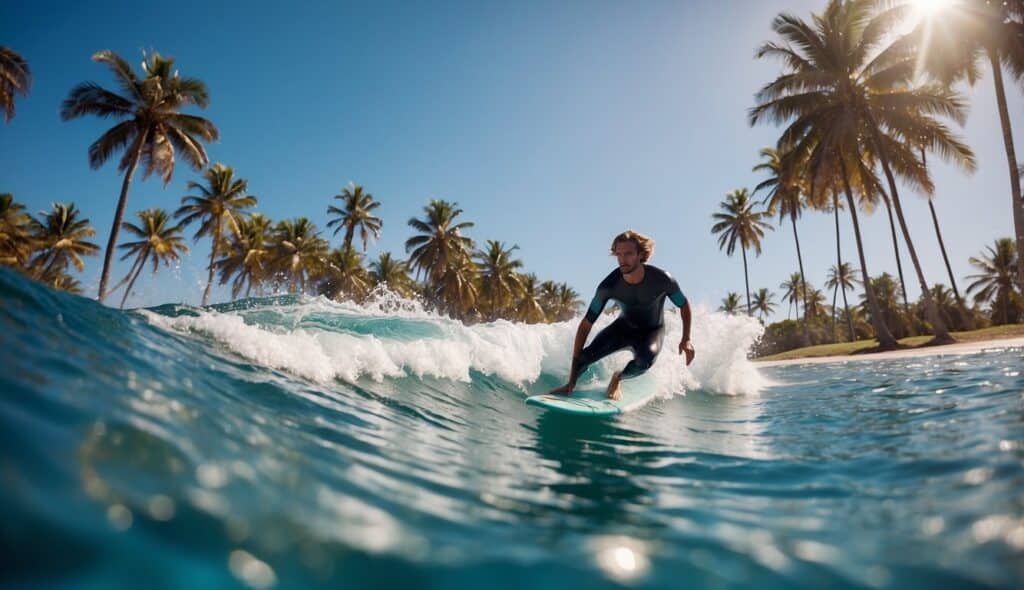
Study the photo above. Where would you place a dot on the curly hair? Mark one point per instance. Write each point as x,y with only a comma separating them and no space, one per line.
644,244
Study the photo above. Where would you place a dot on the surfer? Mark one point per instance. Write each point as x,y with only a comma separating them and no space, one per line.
640,291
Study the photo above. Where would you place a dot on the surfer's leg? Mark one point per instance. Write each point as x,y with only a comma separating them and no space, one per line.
645,350
613,338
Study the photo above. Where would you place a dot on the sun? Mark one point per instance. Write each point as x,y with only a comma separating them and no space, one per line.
931,7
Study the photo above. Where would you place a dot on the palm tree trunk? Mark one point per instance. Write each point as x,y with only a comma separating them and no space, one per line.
803,281
941,333
349,233
746,279
137,270
213,257
896,249
835,294
882,333
127,277
968,321
122,203
1011,158
839,262
849,318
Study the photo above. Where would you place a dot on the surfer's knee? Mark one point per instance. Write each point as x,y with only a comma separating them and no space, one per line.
637,366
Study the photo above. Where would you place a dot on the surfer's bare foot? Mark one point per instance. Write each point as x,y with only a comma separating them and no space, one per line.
614,391
563,390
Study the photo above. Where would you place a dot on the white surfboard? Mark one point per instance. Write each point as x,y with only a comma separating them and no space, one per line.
593,401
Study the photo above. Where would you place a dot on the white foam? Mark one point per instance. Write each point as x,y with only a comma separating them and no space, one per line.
517,353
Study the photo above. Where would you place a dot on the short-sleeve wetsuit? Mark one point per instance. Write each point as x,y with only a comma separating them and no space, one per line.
640,325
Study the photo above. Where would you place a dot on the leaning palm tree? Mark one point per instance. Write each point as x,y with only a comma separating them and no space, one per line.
356,213
344,276
764,303
393,274
784,198
844,97
60,241
738,222
219,204
152,131
731,303
16,243
15,78
157,243
841,277
246,257
499,279
439,243
994,282
951,46
791,295
529,308
298,253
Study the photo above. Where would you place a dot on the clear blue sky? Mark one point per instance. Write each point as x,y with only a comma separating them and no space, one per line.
553,125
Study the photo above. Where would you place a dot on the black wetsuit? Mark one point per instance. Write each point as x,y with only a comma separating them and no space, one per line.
640,325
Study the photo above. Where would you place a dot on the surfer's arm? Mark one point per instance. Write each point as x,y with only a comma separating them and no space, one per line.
685,346
577,347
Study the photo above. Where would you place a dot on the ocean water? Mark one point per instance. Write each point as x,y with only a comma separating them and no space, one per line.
292,442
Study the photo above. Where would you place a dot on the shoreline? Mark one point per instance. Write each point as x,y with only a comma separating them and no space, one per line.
948,349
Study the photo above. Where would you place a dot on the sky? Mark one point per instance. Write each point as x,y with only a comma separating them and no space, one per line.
553,125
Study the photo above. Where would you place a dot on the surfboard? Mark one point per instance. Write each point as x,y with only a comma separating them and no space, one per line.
592,400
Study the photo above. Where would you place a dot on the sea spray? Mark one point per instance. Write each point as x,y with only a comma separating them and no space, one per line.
388,338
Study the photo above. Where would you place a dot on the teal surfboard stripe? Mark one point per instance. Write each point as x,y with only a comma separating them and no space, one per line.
593,402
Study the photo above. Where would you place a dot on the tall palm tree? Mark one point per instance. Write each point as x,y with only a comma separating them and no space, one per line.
731,303
784,198
764,303
15,78
439,242
343,274
392,273
952,45
356,213
529,308
567,303
16,243
246,258
298,252
738,222
152,131
456,292
157,243
841,277
994,282
499,279
846,97
219,204
60,241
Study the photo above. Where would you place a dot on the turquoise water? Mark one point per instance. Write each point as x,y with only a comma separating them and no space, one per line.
294,443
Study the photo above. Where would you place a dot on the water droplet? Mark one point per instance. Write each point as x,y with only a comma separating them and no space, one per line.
120,517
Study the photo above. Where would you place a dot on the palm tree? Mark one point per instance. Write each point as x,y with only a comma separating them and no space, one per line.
15,78
157,242
356,213
792,287
947,304
344,275
845,99
392,273
785,198
950,48
739,222
60,241
153,131
220,203
16,244
886,290
567,303
499,281
529,308
730,303
456,292
246,257
440,243
842,277
298,252
815,302
995,281
764,303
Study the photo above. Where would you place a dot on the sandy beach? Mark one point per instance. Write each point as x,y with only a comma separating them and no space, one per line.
951,349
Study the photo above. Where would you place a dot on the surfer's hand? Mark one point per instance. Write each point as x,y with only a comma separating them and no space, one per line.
685,346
